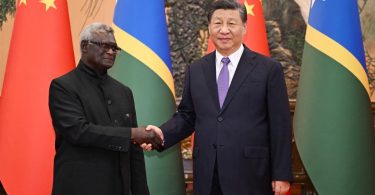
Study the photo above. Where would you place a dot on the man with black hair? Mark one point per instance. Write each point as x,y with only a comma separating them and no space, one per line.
236,102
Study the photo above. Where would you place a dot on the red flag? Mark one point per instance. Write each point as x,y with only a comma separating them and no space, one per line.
40,49
256,36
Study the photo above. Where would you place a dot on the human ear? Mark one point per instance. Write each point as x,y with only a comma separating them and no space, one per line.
84,46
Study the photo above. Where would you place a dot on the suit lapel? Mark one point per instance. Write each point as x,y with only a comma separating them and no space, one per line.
209,70
245,66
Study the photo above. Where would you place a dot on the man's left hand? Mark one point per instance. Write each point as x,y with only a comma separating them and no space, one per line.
280,187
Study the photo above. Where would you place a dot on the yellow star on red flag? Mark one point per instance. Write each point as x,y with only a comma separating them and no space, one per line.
22,2
49,3
249,8
34,70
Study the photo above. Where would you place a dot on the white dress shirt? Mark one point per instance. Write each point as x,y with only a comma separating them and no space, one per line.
232,66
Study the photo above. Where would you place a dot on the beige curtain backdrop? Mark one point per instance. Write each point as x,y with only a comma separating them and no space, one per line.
5,35
81,13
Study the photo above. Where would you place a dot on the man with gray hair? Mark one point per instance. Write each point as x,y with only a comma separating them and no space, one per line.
96,126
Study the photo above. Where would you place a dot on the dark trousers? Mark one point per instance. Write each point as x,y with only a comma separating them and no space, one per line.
215,187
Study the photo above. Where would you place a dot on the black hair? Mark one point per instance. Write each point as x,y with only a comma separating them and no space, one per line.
227,4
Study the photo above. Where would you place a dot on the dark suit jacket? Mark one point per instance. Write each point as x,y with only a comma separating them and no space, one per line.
92,115
250,136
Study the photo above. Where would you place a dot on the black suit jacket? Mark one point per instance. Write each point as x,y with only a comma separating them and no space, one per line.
92,115
250,136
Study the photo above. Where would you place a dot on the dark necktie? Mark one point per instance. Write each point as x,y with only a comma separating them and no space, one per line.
223,81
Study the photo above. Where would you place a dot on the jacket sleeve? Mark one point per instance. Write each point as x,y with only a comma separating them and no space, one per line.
69,122
279,124
182,123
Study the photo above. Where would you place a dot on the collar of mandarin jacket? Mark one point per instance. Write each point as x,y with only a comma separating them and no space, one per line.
90,71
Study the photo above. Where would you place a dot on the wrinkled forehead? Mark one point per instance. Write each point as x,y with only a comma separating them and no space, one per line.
103,36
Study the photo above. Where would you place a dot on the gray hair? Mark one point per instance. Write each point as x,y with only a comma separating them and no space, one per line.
88,31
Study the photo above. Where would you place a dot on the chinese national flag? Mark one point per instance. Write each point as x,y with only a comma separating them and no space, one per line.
40,49
256,36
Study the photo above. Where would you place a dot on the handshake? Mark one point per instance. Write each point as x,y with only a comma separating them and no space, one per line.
148,138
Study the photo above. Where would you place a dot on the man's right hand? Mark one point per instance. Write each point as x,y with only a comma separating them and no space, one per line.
157,130
141,136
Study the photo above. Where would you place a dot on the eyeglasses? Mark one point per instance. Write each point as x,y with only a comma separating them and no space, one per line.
106,46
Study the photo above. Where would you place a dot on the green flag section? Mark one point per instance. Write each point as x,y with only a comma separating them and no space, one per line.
144,65
154,105
333,125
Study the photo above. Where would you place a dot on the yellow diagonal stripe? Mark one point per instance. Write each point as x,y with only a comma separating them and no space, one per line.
146,55
337,52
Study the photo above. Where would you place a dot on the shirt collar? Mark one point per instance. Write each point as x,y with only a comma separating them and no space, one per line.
234,57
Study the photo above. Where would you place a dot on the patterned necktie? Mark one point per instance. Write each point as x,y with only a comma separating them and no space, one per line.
223,81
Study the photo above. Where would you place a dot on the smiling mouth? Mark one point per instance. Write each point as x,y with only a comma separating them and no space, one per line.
224,39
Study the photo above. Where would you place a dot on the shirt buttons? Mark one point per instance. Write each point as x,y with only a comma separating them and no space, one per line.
109,102
116,148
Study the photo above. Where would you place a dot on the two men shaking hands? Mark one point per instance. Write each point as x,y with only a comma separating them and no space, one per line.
150,137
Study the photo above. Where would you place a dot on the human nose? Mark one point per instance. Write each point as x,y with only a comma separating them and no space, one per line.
224,29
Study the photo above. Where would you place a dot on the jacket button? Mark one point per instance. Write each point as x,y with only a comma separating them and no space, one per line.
220,119
214,146
109,102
